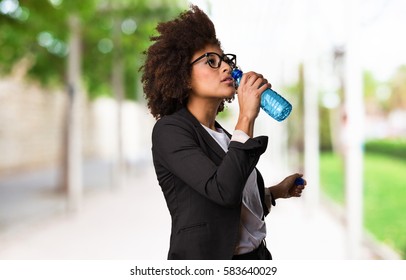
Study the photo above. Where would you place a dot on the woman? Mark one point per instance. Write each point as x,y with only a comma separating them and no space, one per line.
215,195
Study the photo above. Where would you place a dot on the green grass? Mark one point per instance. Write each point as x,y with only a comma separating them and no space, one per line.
384,194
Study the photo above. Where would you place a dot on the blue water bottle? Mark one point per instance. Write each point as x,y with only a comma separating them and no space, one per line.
271,102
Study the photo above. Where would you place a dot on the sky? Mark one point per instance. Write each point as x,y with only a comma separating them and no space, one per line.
293,28
384,40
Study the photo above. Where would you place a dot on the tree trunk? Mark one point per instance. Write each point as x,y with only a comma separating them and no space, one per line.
72,145
118,90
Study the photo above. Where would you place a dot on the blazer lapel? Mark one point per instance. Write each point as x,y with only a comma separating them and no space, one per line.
205,135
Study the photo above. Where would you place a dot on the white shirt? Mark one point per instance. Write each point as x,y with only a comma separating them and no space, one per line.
252,227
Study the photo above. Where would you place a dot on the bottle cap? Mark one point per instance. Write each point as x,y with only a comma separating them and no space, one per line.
299,181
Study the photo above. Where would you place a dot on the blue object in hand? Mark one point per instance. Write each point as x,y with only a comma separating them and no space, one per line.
299,181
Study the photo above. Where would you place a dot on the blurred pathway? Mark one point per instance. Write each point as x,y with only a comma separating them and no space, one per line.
134,223
127,223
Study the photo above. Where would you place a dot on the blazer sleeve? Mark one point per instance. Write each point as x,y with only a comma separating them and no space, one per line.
175,146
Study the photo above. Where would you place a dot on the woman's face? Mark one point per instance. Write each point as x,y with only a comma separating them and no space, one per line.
209,82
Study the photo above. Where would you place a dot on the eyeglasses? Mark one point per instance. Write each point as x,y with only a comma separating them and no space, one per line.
214,59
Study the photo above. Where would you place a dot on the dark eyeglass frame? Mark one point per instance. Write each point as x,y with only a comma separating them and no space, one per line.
229,58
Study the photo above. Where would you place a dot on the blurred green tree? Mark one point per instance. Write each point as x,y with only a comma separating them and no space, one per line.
385,96
397,99
36,33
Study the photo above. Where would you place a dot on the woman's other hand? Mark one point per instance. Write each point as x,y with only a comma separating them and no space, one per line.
288,188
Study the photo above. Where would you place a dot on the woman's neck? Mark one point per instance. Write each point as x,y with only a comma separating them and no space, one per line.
204,110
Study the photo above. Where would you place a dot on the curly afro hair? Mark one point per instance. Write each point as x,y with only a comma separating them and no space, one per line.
167,70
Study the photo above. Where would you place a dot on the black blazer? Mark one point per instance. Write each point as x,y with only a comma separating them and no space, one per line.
202,185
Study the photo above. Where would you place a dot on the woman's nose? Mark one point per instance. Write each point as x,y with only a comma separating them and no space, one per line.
226,67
